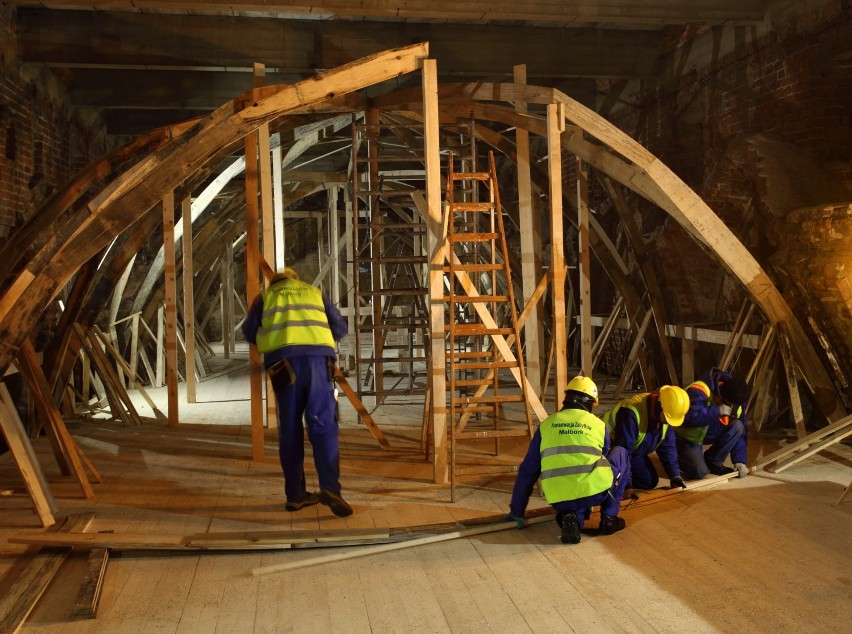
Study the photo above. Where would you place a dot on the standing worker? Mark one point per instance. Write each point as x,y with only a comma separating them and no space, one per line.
642,425
295,327
716,417
570,452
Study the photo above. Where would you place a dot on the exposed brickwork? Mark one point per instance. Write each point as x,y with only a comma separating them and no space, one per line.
757,121
43,141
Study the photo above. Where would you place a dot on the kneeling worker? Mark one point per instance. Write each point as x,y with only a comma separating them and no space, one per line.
569,451
642,424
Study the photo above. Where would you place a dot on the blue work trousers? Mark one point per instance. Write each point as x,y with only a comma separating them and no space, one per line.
609,500
643,473
694,461
309,397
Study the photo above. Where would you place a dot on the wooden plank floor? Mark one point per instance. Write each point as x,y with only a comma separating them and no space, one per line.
767,553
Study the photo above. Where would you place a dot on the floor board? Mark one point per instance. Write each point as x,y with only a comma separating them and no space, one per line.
770,552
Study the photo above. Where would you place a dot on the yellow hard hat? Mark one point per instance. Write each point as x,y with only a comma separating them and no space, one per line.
675,402
290,273
584,385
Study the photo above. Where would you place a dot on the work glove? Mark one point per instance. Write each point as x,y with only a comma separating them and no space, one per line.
519,521
677,481
725,410
742,469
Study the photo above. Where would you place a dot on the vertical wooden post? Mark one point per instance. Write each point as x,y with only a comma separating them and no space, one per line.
268,227
253,289
160,370
278,208
188,300
227,301
436,246
687,354
22,451
555,124
530,225
585,260
171,306
792,382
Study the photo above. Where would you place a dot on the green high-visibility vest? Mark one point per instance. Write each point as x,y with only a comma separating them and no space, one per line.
638,404
293,315
696,435
572,462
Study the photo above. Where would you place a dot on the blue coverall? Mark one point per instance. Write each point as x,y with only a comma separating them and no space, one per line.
643,475
724,440
310,396
609,500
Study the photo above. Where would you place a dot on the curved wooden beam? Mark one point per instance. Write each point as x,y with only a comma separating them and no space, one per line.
137,190
679,201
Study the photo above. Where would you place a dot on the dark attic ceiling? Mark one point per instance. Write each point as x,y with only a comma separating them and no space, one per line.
147,63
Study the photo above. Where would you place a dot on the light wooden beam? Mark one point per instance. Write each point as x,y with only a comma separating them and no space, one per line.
585,273
555,120
188,301
437,251
530,226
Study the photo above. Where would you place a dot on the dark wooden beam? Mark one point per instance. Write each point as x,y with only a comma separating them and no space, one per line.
184,42
550,11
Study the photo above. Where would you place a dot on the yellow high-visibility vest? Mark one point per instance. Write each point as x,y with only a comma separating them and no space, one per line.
293,315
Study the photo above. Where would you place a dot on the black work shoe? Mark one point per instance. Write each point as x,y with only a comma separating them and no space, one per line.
570,529
719,469
611,524
336,503
309,500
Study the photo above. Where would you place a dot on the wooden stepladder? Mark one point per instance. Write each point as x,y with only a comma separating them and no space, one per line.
481,314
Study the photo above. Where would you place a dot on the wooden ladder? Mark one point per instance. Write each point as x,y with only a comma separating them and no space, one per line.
481,308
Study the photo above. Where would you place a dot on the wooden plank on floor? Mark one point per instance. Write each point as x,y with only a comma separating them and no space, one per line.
24,593
242,540
89,595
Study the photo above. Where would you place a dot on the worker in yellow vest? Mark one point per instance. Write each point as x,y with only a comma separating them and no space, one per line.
570,451
644,424
716,417
295,327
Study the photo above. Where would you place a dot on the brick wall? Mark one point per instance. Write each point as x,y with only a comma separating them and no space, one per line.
757,120
43,141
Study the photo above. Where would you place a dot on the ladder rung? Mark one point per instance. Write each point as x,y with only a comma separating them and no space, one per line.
474,410
471,176
463,367
468,206
477,329
393,359
468,299
472,237
393,291
477,354
481,400
402,259
474,267
474,382
471,435
384,227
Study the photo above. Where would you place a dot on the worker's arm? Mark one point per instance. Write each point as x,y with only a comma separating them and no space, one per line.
668,455
528,474
336,322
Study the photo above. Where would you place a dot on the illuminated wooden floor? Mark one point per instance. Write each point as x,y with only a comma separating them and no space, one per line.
764,554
